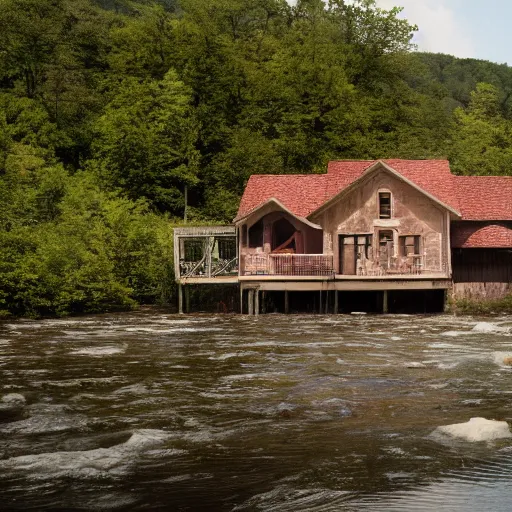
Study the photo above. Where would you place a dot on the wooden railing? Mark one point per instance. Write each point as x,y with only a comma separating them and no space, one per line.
288,264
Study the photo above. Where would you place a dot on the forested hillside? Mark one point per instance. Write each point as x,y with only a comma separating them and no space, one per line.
110,109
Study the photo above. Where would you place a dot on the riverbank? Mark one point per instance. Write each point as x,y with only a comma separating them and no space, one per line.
481,307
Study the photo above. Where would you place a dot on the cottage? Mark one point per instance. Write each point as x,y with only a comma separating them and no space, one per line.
375,234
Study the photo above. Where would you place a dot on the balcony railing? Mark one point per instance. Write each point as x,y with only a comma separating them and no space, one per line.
288,264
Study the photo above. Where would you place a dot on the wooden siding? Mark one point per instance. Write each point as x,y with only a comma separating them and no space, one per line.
482,265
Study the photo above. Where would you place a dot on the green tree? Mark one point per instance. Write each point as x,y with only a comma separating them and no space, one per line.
146,140
481,136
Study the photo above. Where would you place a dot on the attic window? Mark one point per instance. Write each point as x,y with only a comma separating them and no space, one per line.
384,205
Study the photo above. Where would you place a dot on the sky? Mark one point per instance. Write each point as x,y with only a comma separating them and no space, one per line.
478,29
465,28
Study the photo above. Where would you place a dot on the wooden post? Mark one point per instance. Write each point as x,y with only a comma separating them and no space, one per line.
327,302
256,302
286,303
180,299
187,299
241,300
250,301
320,305
335,302
385,302
263,302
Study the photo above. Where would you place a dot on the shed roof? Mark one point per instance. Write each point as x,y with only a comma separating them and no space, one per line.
470,235
484,197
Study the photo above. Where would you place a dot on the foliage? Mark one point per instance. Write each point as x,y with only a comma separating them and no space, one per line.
482,307
109,109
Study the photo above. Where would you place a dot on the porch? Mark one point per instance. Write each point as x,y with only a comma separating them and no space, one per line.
301,266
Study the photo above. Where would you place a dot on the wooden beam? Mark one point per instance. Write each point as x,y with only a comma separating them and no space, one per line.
335,302
385,308
286,302
256,302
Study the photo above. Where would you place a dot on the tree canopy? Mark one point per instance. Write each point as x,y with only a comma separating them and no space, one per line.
111,109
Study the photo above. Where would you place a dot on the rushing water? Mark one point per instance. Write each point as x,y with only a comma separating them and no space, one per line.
151,411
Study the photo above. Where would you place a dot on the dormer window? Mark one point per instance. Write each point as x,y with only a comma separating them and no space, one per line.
384,205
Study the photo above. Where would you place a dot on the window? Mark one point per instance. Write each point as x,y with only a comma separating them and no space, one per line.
409,245
385,237
227,248
193,249
384,205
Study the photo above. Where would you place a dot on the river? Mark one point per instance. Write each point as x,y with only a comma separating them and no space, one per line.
153,411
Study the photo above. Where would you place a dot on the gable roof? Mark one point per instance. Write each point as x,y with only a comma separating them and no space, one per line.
405,176
433,176
299,193
466,235
476,197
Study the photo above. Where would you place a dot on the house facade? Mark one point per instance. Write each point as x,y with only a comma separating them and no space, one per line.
366,232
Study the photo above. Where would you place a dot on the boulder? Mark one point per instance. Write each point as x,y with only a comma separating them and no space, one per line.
12,407
476,429
14,399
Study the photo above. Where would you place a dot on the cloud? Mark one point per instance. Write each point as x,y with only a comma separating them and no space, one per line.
440,31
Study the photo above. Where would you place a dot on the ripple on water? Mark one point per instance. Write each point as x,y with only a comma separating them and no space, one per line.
97,463
275,413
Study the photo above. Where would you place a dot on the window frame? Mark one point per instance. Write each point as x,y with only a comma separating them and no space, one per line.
380,195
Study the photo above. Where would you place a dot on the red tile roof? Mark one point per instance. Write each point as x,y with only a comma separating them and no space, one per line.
476,234
476,197
485,197
433,176
300,193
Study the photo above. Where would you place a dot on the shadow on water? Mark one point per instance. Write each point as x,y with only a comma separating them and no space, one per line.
150,411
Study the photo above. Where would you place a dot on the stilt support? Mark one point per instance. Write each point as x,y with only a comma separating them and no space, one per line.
250,301
256,302
385,308
335,302
187,299
286,302
180,299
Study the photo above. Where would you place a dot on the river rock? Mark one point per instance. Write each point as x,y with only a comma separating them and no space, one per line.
11,407
476,429
14,398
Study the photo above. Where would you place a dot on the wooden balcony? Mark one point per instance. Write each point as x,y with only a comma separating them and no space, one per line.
287,265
